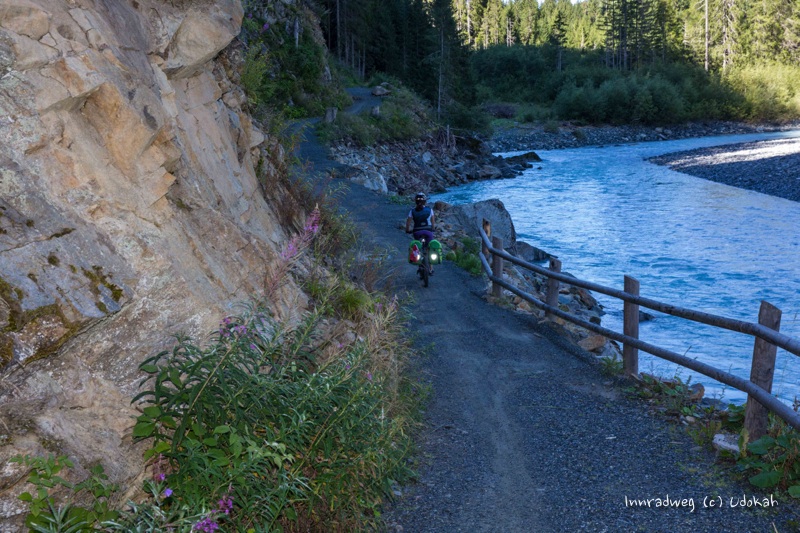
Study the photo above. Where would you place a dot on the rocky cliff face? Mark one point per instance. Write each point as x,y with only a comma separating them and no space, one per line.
129,211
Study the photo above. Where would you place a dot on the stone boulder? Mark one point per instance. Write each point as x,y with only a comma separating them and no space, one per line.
373,181
379,90
530,253
203,32
470,217
523,159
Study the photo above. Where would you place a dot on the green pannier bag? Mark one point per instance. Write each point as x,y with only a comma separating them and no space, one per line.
435,252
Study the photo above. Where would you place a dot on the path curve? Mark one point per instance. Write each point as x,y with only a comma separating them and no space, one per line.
522,433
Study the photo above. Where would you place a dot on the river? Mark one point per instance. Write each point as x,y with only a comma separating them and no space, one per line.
606,212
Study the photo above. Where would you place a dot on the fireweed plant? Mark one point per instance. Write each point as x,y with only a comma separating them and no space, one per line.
292,430
273,424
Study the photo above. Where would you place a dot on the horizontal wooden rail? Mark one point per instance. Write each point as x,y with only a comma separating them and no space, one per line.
761,395
780,340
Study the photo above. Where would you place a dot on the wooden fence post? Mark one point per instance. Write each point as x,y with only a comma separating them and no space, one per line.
552,284
487,229
630,327
761,372
497,266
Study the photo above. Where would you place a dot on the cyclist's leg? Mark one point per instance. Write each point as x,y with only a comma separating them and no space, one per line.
426,236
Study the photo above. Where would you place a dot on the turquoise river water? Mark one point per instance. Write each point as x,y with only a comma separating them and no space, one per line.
606,212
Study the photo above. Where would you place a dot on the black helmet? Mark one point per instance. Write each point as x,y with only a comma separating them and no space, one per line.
420,197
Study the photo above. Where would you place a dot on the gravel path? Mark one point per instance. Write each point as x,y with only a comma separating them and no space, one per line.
523,434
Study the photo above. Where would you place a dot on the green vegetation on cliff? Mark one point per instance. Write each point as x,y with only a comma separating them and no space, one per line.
278,422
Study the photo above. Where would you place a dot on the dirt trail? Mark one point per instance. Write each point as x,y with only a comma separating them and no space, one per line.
522,433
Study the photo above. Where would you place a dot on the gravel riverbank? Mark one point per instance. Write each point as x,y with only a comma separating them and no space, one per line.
769,167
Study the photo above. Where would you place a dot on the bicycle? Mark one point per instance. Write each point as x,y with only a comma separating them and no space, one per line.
424,254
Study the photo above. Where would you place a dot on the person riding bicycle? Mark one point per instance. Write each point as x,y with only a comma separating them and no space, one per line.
421,221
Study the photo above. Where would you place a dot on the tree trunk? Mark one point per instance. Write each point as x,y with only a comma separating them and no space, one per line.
338,31
469,23
706,37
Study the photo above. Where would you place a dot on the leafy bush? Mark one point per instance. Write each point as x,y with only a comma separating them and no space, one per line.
501,110
551,126
283,75
466,256
610,365
253,77
770,92
294,441
664,92
580,103
352,302
273,425
45,515
403,116
463,117
776,461
359,129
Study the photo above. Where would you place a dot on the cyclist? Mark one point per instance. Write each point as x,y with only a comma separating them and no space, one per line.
421,221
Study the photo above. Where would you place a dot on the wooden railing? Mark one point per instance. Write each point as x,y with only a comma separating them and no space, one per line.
767,337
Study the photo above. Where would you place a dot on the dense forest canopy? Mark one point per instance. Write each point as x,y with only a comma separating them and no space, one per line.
675,60
633,32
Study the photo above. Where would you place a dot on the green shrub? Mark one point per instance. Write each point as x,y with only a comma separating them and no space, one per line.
580,103
668,106
770,91
283,75
293,441
551,126
616,97
46,515
610,366
254,74
403,116
464,117
775,459
466,256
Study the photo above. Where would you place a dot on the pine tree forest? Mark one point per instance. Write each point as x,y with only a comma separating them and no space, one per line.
451,51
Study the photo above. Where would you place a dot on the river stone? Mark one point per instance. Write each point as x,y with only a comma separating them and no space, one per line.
523,159
592,343
726,443
530,253
371,180
471,216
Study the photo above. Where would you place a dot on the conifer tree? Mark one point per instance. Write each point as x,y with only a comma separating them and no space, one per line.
527,16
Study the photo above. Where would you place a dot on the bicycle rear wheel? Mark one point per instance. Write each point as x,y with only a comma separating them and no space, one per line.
426,269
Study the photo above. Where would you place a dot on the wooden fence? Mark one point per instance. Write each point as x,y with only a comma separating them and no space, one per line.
766,332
